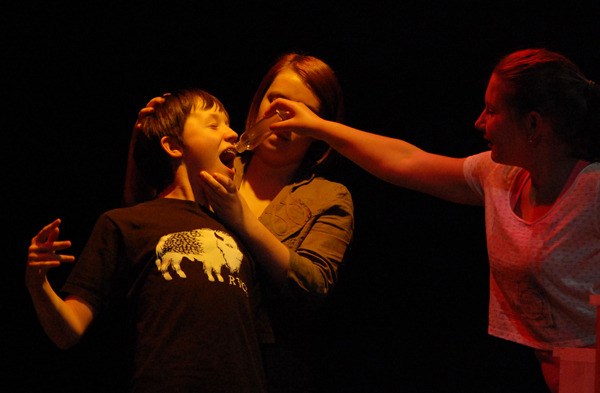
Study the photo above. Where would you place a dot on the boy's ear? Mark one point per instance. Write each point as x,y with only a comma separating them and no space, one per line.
171,146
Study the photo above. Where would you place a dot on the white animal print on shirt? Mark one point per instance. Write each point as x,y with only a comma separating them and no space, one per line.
213,248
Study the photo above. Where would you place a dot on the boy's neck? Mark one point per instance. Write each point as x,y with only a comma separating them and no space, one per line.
184,192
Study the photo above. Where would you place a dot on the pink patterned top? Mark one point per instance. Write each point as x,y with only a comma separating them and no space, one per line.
541,272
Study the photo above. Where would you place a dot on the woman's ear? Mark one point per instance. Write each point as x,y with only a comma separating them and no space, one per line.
533,120
533,123
171,146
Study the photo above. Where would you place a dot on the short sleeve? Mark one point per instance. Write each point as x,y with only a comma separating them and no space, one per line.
473,170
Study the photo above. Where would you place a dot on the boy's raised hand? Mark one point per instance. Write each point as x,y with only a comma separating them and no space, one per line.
42,254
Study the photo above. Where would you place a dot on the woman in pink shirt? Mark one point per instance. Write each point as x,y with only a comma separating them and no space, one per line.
539,183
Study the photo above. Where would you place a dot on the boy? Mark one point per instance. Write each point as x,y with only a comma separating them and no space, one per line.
187,282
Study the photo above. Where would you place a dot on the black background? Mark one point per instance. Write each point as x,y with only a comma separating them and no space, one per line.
410,314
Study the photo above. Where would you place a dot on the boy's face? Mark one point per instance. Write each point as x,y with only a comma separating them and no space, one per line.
206,136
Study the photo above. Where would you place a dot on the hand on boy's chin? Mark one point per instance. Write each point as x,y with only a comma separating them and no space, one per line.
229,173
223,170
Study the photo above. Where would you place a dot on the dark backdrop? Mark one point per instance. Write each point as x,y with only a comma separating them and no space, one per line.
410,313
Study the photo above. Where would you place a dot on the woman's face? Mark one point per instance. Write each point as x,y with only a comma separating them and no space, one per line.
502,128
287,147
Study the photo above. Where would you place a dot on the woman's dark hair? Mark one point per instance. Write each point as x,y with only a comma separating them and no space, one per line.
551,84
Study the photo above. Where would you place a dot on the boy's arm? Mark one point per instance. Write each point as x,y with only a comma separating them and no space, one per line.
64,321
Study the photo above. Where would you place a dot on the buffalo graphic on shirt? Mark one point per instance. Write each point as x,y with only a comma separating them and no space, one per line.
213,248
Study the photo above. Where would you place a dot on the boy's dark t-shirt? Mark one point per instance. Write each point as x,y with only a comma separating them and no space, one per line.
190,292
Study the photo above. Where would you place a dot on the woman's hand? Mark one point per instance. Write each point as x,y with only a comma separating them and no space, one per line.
224,198
299,118
148,109
232,210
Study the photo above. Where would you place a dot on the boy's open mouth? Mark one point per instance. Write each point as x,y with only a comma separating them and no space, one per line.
227,157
